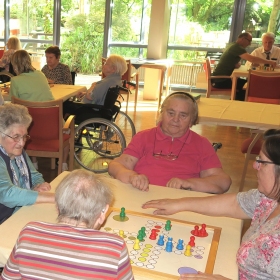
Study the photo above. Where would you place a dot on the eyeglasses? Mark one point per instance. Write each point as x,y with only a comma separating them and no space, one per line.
17,137
248,39
259,161
170,156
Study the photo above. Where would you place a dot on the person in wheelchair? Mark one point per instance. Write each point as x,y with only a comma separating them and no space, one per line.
113,69
171,154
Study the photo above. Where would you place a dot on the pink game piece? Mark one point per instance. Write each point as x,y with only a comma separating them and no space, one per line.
192,243
202,232
195,232
153,234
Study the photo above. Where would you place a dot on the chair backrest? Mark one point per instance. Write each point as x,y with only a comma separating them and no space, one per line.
1,52
126,76
263,87
47,118
111,97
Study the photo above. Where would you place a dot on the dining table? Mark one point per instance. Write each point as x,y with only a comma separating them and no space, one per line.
59,91
132,199
241,72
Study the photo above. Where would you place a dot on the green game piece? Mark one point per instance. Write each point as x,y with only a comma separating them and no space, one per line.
168,225
143,230
122,213
140,235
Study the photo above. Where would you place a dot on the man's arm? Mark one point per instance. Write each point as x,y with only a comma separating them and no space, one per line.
258,60
213,180
122,167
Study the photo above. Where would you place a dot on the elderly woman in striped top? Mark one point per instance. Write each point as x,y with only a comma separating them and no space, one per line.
73,248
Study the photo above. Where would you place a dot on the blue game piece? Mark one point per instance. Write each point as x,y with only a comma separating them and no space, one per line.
180,245
160,240
169,245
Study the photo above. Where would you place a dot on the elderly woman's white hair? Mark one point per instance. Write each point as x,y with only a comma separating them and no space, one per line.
11,114
119,63
81,197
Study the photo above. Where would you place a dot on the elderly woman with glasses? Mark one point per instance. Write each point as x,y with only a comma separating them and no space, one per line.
171,154
259,253
20,183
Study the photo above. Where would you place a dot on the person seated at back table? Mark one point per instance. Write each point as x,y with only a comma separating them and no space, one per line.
56,72
230,60
31,84
20,183
73,248
113,69
171,154
267,50
258,257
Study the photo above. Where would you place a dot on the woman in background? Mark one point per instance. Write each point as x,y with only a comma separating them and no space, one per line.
13,45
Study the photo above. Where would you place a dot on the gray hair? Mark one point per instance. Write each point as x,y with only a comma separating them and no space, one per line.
269,34
183,96
119,63
11,114
81,196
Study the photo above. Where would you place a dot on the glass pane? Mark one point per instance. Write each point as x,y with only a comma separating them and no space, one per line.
82,34
32,19
128,52
127,22
199,24
2,22
260,18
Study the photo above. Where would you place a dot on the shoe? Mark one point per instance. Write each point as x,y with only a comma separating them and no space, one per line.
64,166
35,164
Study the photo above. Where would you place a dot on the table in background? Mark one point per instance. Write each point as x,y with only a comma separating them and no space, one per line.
242,71
59,91
132,199
164,65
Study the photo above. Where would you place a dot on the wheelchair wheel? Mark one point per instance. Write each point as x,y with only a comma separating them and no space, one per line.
97,142
126,125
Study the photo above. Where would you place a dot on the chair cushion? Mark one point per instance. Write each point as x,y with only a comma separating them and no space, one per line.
256,149
263,100
45,145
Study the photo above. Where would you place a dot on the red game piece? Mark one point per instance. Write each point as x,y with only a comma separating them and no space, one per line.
202,232
153,234
192,243
195,232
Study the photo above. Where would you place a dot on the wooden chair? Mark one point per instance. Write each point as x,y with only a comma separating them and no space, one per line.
209,78
262,87
46,131
128,76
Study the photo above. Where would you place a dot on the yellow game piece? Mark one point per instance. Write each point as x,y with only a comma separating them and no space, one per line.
121,233
136,244
188,252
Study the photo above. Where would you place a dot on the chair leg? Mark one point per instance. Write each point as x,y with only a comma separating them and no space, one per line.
136,93
254,141
127,100
52,163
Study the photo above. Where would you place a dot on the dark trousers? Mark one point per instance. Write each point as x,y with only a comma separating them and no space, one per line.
227,83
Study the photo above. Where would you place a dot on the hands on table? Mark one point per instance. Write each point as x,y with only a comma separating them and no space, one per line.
139,181
43,187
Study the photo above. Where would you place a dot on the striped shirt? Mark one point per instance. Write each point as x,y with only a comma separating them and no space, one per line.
59,251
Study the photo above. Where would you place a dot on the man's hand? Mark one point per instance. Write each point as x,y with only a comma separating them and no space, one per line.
139,181
44,187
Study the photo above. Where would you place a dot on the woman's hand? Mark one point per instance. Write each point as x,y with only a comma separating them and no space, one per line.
44,187
164,206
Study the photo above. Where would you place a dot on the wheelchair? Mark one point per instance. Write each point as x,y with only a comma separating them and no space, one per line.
102,132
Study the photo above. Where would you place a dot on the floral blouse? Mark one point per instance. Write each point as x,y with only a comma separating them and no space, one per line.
259,254
6,59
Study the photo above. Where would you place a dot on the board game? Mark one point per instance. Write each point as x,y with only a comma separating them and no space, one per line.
162,248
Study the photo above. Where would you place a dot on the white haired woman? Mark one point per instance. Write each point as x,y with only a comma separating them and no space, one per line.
20,182
73,248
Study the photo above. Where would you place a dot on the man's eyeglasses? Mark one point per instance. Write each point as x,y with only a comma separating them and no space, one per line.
259,161
17,137
248,39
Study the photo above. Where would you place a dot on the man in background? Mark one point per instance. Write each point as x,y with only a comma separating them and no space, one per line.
231,60
267,50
